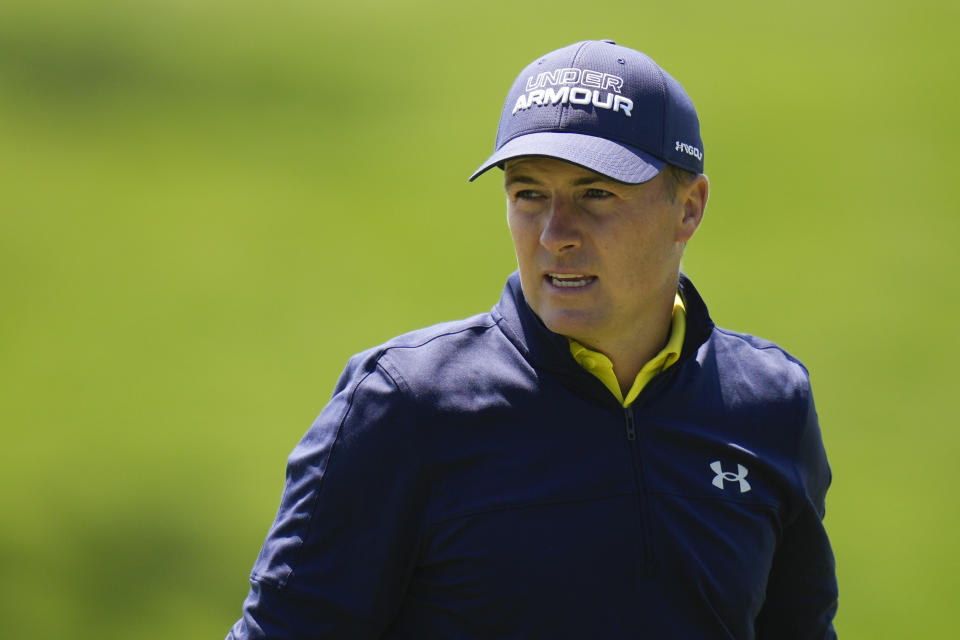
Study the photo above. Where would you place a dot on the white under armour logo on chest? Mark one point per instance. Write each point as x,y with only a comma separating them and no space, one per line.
728,476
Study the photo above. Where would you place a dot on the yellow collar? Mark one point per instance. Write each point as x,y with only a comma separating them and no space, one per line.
600,365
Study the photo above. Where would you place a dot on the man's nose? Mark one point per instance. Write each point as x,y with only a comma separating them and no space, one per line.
561,231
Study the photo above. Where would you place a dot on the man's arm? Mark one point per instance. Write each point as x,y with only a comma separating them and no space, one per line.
801,598
339,555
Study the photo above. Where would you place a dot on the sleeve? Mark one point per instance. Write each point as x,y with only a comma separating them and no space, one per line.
340,553
801,598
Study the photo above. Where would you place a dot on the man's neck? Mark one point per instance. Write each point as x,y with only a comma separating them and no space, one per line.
644,340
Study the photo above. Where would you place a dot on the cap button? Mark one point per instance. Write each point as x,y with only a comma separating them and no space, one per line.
608,41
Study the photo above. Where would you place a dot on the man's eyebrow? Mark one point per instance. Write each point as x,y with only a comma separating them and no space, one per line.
524,179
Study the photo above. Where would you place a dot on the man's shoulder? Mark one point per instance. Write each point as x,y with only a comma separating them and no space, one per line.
439,336
758,362
430,350
443,366
755,346
432,342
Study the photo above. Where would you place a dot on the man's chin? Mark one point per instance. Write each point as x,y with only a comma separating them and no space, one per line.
571,324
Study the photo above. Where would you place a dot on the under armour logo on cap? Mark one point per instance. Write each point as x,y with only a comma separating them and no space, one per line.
740,476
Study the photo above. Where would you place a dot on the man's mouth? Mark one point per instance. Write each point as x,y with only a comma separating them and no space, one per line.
569,280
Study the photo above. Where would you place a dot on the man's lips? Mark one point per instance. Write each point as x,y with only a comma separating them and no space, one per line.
569,280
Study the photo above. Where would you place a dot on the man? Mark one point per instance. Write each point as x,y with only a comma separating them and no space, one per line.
591,459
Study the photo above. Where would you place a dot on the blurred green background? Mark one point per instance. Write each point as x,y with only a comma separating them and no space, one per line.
207,207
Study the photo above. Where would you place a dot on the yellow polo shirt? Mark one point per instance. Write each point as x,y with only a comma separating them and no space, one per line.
600,365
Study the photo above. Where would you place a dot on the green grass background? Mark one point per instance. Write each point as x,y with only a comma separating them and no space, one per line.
206,207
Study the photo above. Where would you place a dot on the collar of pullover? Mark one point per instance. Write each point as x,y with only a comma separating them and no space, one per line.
550,351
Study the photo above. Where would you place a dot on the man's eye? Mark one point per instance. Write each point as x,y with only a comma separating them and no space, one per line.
527,194
598,193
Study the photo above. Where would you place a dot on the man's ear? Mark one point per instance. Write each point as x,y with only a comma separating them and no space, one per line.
693,199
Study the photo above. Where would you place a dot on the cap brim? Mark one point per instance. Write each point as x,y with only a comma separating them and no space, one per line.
612,159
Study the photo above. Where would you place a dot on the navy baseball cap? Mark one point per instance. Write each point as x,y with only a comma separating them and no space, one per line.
605,107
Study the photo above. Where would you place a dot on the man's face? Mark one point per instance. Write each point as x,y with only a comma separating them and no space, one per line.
598,258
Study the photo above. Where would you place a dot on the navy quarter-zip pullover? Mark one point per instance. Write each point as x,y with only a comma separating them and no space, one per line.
471,480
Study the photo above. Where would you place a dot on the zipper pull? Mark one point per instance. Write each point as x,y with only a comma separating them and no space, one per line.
631,428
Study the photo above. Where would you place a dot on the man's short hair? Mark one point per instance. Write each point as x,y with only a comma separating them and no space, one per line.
675,177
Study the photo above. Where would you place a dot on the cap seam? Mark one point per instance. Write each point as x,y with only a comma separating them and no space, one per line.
573,63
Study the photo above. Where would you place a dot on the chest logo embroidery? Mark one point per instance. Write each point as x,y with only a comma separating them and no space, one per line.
740,476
